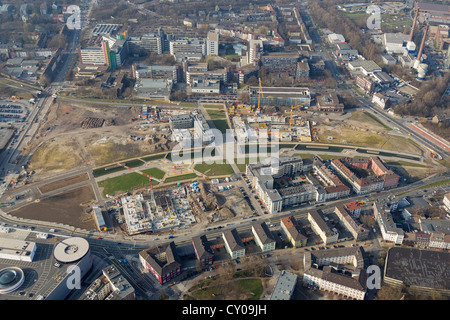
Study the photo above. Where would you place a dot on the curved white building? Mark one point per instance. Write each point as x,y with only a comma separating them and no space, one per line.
71,250
11,279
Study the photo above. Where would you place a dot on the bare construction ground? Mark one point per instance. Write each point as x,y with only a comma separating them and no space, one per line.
72,208
361,129
64,141
63,183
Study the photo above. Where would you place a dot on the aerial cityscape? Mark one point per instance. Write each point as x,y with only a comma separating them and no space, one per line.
224,151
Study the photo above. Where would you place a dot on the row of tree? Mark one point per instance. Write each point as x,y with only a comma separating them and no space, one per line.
326,15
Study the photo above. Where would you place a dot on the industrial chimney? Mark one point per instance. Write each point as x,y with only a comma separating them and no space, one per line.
411,34
419,55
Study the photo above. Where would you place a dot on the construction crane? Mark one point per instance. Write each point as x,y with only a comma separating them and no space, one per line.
295,107
260,94
258,109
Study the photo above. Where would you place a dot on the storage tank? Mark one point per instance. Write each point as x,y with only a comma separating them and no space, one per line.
422,71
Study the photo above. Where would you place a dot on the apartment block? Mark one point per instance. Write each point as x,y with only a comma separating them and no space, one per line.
327,233
292,230
280,62
388,228
233,244
263,237
357,230
203,251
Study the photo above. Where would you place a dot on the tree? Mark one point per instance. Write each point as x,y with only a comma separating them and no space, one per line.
244,97
367,220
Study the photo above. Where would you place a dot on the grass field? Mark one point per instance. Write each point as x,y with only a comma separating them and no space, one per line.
435,184
406,164
155,157
124,183
365,116
324,157
101,171
181,177
216,114
250,288
215,169
221,125
155,172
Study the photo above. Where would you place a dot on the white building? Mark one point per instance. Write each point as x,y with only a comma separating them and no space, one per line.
380,100
17,250
212,43
388,228
137,217
395,42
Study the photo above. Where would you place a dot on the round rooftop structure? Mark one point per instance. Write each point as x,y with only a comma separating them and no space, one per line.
71,250
11,279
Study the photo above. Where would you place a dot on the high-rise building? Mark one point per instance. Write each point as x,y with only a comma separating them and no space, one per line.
212,43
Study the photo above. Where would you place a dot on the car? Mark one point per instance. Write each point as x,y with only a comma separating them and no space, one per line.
170,237
99,238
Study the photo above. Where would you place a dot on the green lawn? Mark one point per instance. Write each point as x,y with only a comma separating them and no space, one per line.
215,169
216,114
155,172
181,177
406,164
252,288
101,171
124,183
435,184
221,125
155,157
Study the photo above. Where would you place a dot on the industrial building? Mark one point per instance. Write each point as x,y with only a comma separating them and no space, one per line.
422,271
280,96
17,250
284,288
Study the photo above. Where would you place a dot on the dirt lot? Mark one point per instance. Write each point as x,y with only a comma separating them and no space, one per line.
63,183
62,143
72,208
360,129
